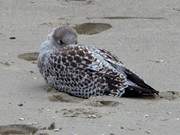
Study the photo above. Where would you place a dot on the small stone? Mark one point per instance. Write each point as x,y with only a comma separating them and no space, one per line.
32,2
169,113
20,105
92,116
177,118
109,125
164,119
21,119
35,78
122,127
48,110
160,61
43,128
146,115
148,132
56,111
56,130
12,37
31,72
34,123
5,63
89,2
52,126
131,129
34,62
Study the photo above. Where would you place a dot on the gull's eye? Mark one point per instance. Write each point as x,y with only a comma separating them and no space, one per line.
60,42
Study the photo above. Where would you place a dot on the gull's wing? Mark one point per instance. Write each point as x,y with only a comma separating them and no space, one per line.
88,60
120,80
136,85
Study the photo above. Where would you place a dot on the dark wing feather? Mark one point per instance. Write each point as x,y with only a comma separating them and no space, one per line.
136,79
108,55
139,87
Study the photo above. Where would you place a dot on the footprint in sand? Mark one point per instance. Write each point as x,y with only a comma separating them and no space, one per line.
63,97
131,17
81,112
56,96
17,130
91,28
5,63
31,56
169,95
101,102
86,1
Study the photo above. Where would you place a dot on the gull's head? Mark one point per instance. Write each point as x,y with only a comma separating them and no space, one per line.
64,36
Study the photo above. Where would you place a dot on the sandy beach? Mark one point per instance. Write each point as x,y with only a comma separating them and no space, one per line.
145,35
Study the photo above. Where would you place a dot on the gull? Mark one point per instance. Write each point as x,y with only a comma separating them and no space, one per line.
84,71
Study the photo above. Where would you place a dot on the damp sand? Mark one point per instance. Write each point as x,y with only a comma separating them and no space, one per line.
143,34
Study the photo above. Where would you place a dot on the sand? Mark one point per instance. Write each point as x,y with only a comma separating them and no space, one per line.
143,34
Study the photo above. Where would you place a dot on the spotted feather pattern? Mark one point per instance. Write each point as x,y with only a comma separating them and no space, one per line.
81,71
108,55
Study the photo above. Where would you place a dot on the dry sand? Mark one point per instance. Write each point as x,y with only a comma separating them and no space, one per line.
144,35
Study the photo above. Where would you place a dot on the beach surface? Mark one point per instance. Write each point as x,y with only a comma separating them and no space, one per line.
145,35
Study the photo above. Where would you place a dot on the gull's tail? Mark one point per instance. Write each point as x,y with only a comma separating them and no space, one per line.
137,87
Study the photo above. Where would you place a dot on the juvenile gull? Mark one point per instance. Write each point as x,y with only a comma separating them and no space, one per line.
84,71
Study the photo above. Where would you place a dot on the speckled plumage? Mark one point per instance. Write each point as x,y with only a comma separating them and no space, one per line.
82,71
